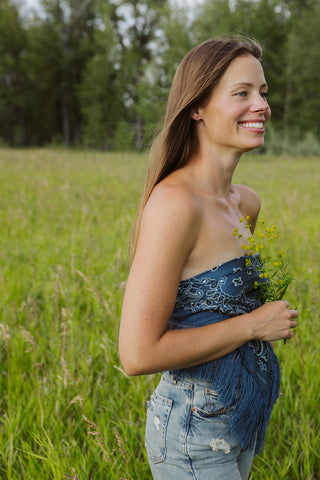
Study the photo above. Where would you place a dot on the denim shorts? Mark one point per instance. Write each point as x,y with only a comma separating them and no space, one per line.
188,434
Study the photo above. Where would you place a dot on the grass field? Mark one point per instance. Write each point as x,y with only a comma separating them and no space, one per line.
67,409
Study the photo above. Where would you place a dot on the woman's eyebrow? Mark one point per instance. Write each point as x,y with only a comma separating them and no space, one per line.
248,84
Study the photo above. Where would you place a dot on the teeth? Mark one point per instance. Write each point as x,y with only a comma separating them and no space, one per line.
252,124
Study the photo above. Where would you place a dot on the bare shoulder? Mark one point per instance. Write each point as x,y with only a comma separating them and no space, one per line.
169,225
172,205
250,202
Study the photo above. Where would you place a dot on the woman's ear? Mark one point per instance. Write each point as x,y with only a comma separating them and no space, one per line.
195,115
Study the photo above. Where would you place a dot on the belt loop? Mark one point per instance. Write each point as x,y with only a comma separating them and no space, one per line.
170,376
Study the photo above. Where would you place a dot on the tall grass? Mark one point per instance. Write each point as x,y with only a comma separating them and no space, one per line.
67,409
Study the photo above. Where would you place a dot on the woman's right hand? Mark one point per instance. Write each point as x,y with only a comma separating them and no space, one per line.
273,321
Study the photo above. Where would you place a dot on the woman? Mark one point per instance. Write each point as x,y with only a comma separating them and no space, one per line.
190,309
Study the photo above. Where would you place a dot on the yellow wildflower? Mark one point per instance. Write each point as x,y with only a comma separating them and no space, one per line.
277,264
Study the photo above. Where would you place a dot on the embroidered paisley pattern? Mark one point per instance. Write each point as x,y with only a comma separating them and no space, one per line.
229,290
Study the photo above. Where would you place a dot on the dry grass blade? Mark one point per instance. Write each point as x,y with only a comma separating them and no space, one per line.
98,436
4,335
29,340
120,444
67,377
72,477
95,294
77,399
121,370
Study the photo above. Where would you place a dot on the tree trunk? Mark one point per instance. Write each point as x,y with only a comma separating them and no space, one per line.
139,132
66,126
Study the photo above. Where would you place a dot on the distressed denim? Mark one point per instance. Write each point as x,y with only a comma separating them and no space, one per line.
188,434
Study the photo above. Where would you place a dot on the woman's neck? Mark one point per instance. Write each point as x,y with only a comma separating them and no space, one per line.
213,172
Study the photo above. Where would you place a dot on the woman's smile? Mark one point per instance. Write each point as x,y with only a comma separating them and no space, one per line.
256,126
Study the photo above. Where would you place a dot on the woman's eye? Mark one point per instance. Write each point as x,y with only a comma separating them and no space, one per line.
242,94
264,95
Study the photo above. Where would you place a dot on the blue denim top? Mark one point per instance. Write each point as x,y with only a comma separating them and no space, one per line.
248,378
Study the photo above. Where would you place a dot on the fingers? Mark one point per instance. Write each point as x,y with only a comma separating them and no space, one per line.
293,323
277,321
291,316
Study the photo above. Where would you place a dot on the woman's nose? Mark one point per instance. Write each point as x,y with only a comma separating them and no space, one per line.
260,104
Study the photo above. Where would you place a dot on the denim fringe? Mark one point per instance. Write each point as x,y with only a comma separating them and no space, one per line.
237,388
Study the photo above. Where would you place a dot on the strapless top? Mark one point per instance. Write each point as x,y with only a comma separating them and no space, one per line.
248,378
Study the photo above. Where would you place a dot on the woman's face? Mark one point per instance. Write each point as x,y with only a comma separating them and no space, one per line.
237,112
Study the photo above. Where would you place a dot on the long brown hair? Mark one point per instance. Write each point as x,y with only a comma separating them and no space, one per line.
192,87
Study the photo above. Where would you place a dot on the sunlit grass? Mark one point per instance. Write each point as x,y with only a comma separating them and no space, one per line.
67,409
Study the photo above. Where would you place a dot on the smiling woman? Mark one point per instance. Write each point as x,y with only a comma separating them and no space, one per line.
235,104
190,309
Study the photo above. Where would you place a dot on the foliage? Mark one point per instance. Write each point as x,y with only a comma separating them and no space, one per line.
67,408
80,71
12,74
273,270
303,53
291,142
100,92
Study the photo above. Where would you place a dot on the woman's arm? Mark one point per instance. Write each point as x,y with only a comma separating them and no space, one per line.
168,234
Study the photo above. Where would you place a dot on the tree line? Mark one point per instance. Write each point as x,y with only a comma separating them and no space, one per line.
97,73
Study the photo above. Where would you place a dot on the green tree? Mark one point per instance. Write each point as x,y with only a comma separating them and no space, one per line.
13,41
101,92
262,20
56,48
173,42
137,27
303,75
98,72
179,37
71,24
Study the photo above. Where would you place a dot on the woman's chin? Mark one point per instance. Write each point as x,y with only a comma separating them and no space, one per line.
253,146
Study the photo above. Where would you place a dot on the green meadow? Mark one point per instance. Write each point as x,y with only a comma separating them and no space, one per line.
67,408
